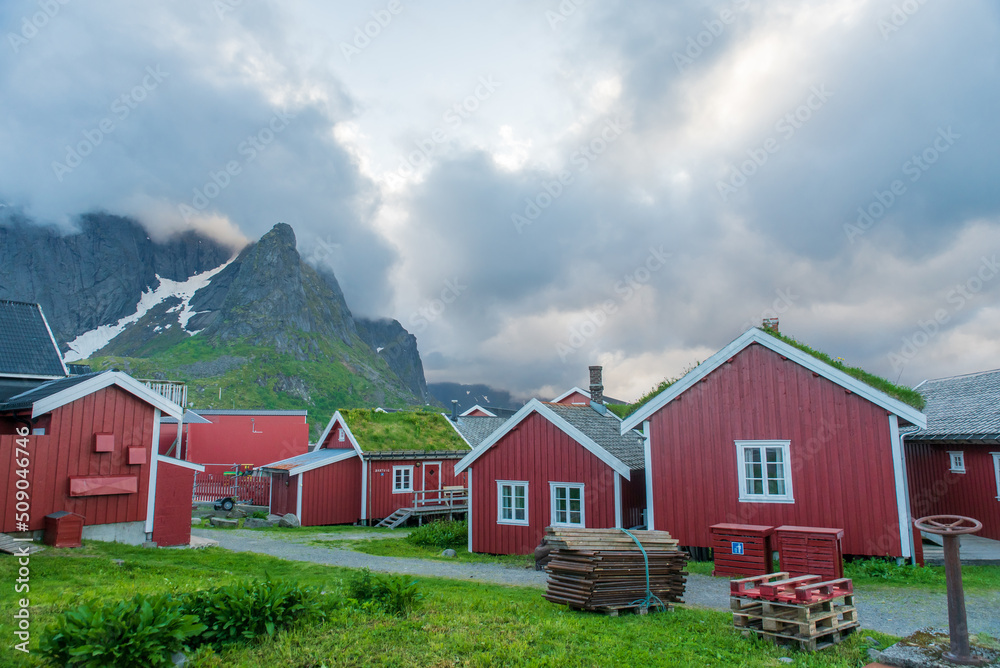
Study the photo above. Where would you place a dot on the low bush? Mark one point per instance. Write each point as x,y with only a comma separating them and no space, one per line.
393,594
888,569
259,515
244,610
143,631
440,534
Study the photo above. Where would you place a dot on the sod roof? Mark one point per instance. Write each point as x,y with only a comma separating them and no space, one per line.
423,431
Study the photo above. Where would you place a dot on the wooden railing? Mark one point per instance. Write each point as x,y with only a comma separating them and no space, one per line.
449,497
249,489
173,390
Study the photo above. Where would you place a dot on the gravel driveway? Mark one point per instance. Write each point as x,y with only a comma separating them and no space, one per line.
890,610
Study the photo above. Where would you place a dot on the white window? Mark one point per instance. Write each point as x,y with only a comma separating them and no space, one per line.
512,502
402,479
340,435
996,471
957,459
764,471
567,504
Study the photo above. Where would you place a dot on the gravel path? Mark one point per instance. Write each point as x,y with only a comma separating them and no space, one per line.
890,610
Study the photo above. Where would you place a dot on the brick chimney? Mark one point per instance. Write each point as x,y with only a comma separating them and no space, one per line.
596,385
771,324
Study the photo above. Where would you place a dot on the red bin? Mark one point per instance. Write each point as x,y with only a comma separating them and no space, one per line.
741,549
810,551
64,529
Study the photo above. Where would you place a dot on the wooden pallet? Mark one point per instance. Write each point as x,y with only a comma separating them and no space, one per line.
812,625
616,610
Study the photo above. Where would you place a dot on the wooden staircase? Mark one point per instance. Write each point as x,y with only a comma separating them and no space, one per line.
397,518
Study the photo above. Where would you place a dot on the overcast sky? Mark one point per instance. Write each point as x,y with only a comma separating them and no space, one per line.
532,187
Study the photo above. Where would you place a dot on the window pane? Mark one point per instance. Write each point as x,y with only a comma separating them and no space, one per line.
574,517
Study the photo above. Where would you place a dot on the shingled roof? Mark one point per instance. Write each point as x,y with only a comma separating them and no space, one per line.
605,430
963,409
27,347
475,429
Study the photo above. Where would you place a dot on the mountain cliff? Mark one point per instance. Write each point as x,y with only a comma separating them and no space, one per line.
261,329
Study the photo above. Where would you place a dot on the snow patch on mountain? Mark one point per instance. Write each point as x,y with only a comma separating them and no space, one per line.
90,342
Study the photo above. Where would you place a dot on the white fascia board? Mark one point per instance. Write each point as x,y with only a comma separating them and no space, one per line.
535,406
806,360
30,376
902,494
151,486
457,431
338,418
320,464
181,462
569,392
52,339
477,406
99,382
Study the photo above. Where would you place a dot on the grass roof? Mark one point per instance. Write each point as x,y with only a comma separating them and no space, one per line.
403,430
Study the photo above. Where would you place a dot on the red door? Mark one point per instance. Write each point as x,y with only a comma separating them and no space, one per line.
432,483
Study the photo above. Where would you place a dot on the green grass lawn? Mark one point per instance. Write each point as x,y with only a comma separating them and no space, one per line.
459,623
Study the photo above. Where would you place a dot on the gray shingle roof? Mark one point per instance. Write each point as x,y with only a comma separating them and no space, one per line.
26,344
605,431
475,430
962,408
27,399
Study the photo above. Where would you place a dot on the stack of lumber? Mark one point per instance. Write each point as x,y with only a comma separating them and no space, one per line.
604,570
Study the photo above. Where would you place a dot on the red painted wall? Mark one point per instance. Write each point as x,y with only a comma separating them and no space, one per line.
382,501
576,398
67,450
539,452
230,439
332,494
633,499
172,516
842,473
935,490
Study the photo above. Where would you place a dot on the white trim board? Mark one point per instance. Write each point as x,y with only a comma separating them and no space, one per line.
754,335
101,381
337,417
535,406
181,462
477,406
55,346
569,392
151,487
902,496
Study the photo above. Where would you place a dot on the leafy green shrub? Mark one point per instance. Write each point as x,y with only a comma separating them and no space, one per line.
243,611
393,594
259,515
143,631
440,534
888,569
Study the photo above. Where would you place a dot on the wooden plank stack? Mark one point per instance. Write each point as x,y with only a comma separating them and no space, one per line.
604,570
804,610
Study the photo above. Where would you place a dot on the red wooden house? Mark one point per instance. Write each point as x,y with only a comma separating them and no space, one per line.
367,465
954,464
93,450
552,464
230,438
764,433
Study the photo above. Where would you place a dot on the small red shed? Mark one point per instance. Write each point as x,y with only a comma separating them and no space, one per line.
92,443
552,465
765,433
954,464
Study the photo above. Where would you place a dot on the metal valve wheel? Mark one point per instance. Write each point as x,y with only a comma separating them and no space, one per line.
948,525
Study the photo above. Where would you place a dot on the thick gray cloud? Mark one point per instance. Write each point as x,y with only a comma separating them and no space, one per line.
636,183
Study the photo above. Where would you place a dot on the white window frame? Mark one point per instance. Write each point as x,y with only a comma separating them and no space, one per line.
741,464
409,470
340,435
553,486
513,484
956,461
996,471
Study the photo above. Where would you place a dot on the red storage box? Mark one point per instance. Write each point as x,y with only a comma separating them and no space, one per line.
64,529
810,551
741,549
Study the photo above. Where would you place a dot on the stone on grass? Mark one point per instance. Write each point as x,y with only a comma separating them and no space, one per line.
236,513
273,518
223,523
149,543
118,562
449,553
289,521
785,659
256,523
